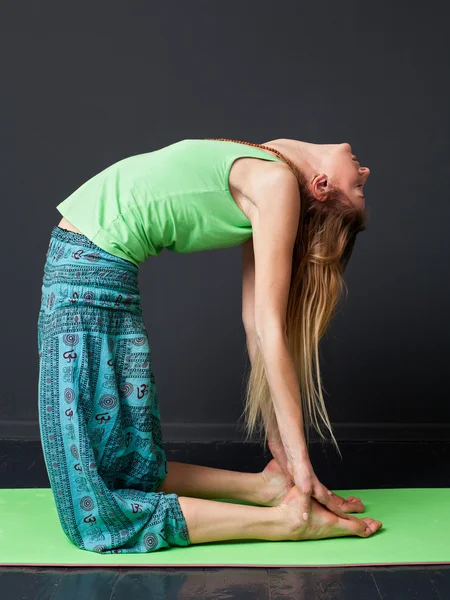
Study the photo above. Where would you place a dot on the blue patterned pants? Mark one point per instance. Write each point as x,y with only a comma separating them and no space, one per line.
98,407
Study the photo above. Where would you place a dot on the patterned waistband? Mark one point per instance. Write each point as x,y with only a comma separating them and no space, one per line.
80,276
73,260
71,237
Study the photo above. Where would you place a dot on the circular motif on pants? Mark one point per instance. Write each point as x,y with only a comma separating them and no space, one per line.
71,339
139,341
88,297
99,548
159,457
87,503
69,395
74,451
150,541
126,389
108,401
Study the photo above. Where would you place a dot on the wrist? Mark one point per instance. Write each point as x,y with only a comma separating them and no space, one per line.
300,461
300,454
294,445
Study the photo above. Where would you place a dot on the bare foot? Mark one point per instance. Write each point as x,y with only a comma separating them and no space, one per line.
322,523
276,485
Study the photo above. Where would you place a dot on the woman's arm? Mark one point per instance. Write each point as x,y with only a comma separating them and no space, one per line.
248,318
274,224
273,435
285,392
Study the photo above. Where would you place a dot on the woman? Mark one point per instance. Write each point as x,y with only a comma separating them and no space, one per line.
296,208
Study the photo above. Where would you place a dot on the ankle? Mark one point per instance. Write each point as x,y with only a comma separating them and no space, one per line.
263,491
285,525
250,487
291,522
268,525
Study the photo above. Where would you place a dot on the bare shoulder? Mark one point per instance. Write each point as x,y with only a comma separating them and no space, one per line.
252,183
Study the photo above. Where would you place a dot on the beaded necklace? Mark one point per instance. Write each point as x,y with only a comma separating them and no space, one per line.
277,152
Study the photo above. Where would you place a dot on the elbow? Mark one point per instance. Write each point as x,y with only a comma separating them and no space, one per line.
271,333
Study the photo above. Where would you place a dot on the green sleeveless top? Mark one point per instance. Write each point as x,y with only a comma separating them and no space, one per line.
176,197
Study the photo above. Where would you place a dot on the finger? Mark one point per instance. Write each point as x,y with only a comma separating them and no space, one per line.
339,500
305,501
326,498
336,510
336,499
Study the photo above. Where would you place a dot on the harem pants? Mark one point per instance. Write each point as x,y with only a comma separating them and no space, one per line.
98,407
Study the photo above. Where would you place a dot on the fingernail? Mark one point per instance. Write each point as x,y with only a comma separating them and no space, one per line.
305,516
330,493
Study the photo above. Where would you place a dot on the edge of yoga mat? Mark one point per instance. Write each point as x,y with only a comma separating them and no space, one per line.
396,544
183,565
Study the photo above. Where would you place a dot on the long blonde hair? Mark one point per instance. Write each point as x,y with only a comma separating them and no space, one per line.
323,246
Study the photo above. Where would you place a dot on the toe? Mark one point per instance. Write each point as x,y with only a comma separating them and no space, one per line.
354,526
353,499
352,506
372,525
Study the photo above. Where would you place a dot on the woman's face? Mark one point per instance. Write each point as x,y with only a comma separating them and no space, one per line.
345,172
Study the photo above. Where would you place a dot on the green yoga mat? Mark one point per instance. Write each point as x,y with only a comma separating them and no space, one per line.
416,530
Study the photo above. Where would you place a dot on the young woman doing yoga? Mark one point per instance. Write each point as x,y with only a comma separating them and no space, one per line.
295,208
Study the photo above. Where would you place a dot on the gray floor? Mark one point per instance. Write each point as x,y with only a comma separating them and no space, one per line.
423,465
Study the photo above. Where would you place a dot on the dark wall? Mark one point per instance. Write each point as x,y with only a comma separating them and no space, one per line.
83,90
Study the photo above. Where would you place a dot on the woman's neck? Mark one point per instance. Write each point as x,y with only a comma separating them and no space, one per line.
305,156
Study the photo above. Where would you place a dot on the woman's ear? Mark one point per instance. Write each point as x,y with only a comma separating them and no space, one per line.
319,187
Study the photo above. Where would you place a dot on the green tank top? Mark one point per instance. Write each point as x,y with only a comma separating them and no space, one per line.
176,197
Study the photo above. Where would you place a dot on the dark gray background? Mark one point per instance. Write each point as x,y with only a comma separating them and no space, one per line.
82,90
